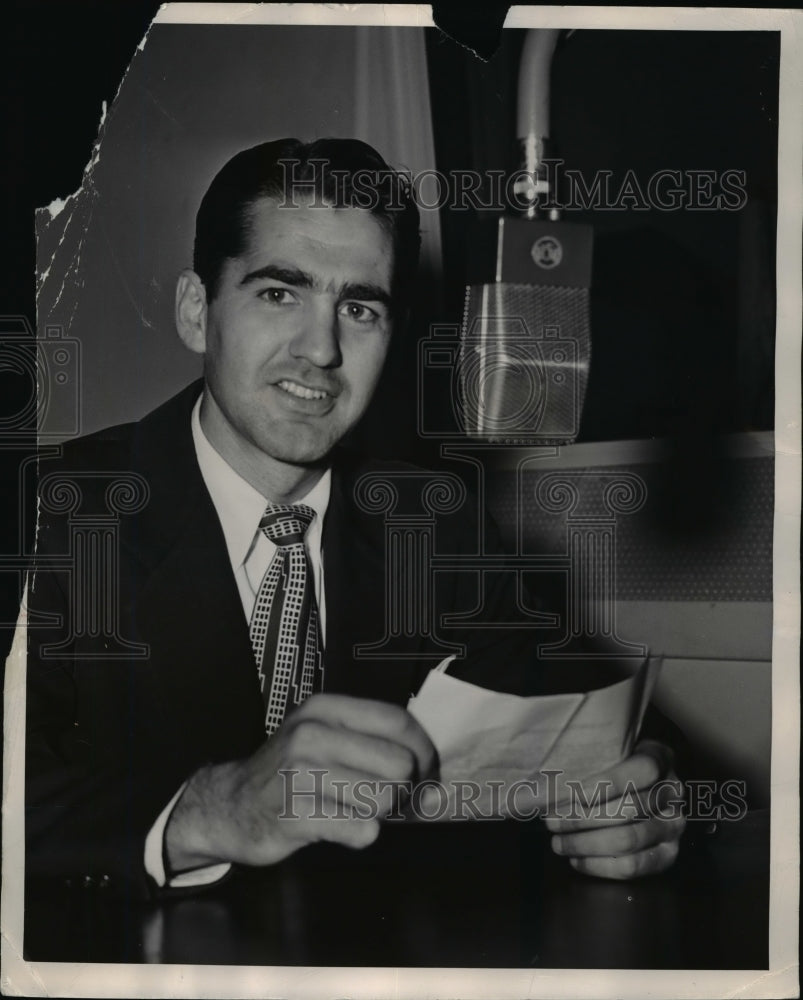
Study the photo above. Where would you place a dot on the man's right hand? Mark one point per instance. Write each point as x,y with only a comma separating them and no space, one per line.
238,811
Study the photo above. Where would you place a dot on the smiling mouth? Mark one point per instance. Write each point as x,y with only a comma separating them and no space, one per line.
302,391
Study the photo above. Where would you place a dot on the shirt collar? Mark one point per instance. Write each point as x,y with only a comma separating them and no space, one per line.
239,505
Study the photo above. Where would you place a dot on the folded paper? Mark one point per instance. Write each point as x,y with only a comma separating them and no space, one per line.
482,736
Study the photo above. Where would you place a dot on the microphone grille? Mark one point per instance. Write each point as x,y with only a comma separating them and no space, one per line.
523,361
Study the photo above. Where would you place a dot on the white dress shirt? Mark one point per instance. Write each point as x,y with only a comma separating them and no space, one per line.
240,508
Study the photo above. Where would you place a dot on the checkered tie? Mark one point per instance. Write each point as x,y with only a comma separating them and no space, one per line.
285,629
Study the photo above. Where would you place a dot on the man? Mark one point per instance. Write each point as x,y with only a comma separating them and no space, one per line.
250,574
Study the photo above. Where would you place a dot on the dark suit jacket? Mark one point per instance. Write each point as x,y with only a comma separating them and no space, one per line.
109,740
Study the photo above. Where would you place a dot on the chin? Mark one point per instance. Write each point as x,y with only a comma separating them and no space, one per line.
299,449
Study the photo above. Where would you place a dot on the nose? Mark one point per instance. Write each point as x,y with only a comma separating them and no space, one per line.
317,339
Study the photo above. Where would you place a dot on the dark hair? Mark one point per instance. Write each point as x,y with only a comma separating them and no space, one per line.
337,172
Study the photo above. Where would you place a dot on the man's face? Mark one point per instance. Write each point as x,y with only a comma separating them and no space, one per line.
298,332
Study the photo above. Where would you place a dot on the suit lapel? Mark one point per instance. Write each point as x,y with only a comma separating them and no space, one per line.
188,608
353,550
355,582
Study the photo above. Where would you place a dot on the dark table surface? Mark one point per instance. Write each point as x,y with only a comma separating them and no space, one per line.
460,895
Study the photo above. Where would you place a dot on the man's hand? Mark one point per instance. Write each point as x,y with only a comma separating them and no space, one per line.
635,828
241,811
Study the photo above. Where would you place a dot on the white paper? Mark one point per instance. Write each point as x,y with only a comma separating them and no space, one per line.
483,736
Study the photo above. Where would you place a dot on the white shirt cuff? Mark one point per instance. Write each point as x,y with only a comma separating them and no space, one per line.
154,856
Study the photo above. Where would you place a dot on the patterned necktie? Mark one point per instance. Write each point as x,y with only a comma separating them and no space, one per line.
285,629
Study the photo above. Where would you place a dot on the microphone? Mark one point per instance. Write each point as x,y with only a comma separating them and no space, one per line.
525,345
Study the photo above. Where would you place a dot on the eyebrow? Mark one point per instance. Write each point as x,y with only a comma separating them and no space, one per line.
360,290
287,275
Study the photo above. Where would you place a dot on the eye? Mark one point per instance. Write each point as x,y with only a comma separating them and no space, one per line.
358,313
277,296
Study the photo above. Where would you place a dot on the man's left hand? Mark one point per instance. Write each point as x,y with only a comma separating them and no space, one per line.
635,825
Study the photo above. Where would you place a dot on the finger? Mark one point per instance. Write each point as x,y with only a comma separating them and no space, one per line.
649,762
643,768
314,742
648,862
337,793
664,755
372,718
622,839
665,800
355,832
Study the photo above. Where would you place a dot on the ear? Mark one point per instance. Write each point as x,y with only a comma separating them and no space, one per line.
191,310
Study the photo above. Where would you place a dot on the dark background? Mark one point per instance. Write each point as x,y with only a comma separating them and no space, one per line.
60,60
682,301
